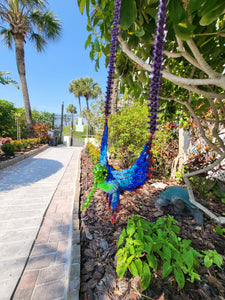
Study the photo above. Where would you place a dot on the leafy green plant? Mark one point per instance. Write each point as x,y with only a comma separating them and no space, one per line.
219,230
144,246
128,133
8,149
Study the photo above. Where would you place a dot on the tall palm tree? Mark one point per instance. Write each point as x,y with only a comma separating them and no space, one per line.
90,89
27,19
75,87
71,109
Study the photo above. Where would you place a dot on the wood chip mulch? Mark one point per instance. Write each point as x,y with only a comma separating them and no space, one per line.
99,280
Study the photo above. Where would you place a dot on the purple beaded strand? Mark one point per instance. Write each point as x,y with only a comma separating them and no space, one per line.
112,58
156,74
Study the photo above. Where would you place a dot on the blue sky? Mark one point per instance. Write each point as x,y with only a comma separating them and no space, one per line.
49,73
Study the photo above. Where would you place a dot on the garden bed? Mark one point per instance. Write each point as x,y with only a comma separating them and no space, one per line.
99,238
6,161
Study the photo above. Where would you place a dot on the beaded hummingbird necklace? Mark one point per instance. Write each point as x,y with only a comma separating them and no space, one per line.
109,180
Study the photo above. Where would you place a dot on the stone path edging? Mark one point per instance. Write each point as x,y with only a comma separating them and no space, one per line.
46,275
5,164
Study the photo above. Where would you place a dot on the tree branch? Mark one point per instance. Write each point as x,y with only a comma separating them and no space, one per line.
186,55
191,111
220,82
204,66
220,220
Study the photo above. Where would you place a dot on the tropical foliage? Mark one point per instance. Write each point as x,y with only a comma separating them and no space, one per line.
10,117
151,246
193,75
7,80
23,20
7,122
41,132
128,133
85,87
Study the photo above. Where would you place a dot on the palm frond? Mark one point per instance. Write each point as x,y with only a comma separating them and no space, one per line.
39,41
7,37
47,23
7,80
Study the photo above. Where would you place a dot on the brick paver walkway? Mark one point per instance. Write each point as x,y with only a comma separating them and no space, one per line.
37,198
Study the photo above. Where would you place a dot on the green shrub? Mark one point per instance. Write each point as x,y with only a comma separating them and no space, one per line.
18,145
8,149
94,152
128,133
148,245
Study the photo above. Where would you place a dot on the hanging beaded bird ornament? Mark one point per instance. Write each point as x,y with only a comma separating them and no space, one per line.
109,180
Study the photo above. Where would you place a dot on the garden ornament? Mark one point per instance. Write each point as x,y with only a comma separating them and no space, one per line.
178,197
108,179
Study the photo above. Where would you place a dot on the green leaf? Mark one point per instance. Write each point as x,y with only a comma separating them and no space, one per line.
218,260
121,238
194,276
194,5
212,15
179,276
88,41
166,252
131,227
189,259
129,260
121,269
175,229
176,12
96,45
207,261
145,276
128,13
132,251
81,4
209,6
152,261
138,264
167,268
184,29
138,243
139,31
133,269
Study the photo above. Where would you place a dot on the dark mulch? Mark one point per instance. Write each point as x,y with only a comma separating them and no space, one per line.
98,247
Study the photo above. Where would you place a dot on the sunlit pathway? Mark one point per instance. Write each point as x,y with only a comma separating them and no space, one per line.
40,186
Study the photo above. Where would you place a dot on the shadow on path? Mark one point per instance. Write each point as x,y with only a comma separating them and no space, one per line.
22,175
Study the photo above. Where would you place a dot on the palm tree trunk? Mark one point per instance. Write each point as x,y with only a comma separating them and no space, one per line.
19,42
79,104
87,103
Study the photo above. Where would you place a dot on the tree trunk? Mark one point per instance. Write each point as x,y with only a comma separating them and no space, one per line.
79,104
71,137
178,163
19,42
87,103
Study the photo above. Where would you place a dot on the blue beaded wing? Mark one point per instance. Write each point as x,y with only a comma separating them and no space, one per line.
128,179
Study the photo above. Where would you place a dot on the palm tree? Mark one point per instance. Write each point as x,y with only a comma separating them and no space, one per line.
90,89
27,19
75,87
71,109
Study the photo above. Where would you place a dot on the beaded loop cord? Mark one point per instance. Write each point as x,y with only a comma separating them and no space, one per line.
133,178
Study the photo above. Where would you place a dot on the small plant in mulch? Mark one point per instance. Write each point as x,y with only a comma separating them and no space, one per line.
148,246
